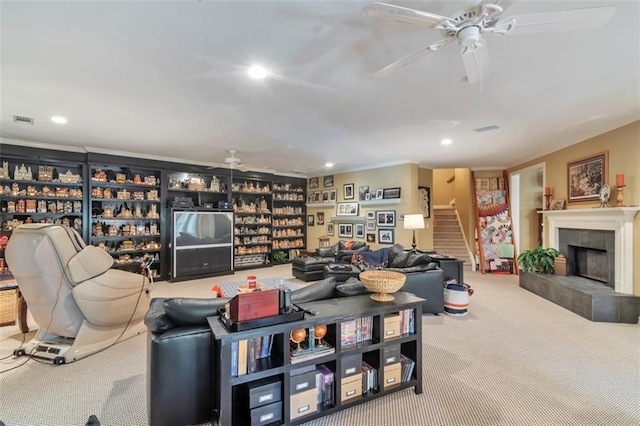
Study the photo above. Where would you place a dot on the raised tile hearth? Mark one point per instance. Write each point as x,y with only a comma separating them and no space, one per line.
587,298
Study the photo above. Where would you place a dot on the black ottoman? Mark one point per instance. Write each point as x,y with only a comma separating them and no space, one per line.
341,271
309,268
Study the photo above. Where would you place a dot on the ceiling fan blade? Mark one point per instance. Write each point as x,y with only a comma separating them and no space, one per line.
410,58
403,14
562,20
476,63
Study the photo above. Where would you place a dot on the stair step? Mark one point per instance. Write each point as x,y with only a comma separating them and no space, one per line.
446,228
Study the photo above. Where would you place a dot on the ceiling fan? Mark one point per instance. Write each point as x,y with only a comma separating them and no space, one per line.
468,25
234,162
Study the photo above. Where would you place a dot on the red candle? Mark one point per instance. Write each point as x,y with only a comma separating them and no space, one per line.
620,180
547,191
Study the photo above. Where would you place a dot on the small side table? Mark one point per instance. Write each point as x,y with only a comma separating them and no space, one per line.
452,268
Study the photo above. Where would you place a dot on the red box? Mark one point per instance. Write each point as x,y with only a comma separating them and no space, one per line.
250,306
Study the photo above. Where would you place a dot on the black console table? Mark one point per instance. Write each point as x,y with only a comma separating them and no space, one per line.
236,397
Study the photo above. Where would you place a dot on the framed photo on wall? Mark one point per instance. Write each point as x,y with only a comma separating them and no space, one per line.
328,181
586,176
330,231
348,191
371,238
424,200
379,193
333,195
313,183
345,230
310,220
385,236
320,218
347,209
386,219
371,225
359,230
389,193
362,193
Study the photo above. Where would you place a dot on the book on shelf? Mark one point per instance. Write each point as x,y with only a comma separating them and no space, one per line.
306,353
407,367
242,357
246,353
324,385
369,378
356,331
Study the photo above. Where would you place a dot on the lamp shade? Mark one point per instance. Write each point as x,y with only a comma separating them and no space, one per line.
413,221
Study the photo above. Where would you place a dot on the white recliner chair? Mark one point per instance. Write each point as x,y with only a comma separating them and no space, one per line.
81,305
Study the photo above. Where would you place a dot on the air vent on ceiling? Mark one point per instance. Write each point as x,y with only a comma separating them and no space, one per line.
22,119
486,129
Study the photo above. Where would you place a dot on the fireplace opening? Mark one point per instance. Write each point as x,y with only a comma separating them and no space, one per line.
590,253
591,263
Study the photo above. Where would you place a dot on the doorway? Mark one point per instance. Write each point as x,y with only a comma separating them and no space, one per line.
526,193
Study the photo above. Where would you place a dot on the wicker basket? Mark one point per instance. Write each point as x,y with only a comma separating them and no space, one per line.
8,306
381,283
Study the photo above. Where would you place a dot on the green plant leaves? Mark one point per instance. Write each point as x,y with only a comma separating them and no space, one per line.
538,259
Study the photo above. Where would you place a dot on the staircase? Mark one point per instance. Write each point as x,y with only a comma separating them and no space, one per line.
447,235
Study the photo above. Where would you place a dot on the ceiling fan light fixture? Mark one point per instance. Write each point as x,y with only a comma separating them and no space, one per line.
58,119
257,72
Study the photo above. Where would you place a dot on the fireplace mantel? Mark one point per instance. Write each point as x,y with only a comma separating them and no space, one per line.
618,219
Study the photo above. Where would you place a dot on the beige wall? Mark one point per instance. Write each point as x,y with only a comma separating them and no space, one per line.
464,205
405,176
443,192
623,145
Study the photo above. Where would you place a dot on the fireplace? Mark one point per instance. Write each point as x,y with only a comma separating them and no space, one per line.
597,229
590,253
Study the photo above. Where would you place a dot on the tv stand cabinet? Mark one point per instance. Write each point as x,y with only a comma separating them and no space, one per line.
230,391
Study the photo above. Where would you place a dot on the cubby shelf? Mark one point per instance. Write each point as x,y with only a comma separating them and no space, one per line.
386,356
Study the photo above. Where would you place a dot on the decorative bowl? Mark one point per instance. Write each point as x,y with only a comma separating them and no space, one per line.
382,283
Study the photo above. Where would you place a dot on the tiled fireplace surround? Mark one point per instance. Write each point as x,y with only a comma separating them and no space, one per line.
607,229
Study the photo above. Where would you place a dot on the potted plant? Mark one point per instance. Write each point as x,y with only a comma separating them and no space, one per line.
279,256
538,260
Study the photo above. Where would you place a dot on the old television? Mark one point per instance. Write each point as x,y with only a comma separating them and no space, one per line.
202,243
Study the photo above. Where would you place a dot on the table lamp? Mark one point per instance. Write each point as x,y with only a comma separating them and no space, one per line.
413,222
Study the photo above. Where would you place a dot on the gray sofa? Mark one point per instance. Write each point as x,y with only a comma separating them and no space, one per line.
179,349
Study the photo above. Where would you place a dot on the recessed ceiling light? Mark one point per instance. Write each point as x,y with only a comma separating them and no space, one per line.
257,72
446,142
328,165
59,119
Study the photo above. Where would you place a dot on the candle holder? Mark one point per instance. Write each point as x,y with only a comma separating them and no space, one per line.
620,195
547,201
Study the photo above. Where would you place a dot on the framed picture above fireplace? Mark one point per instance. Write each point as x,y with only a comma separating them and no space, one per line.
586,176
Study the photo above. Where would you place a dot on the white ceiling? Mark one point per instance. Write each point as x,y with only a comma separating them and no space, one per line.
169,79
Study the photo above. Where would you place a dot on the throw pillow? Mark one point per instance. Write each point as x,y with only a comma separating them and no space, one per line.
418,259
351,287
400,260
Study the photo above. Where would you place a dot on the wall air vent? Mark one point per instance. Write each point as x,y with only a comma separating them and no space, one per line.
486,128
22,119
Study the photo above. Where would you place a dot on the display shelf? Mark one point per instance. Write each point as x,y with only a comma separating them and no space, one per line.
37,191
379,202
126,201
328,204
345,367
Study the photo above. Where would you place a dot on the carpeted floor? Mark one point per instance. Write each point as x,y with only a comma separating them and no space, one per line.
516,359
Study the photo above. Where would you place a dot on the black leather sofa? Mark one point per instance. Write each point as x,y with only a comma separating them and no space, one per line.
179,350
424,277
311,268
